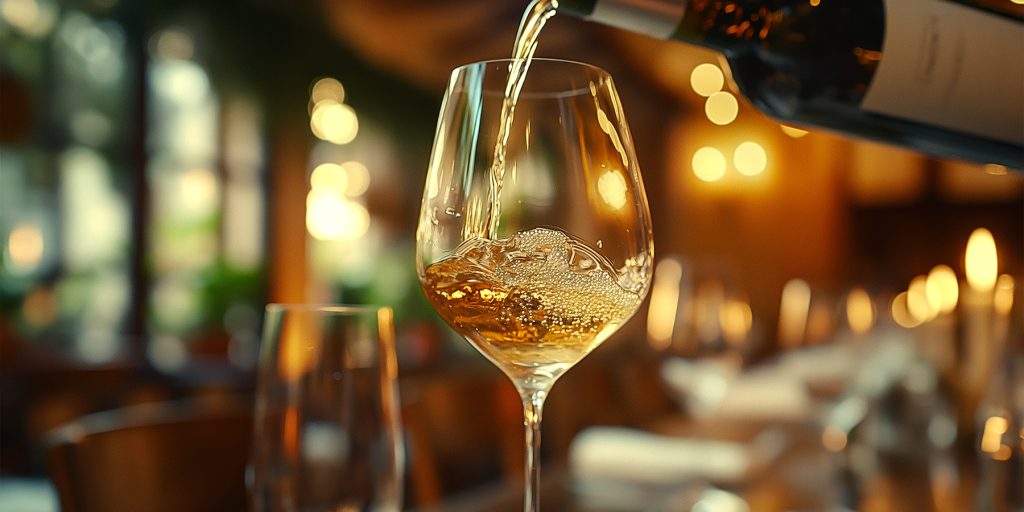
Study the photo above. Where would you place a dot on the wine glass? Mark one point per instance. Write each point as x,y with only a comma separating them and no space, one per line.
535,252
327,434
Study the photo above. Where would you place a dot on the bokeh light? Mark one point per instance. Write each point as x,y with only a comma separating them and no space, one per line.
794,308
736,318
1003,298
992,435
35,18
750,158
860,311
332,217
901,313
327,89
25,247
661,314
708,164
721,108
942,289
706,79
330,177
981,261
358,178
198,193
918,304
334,122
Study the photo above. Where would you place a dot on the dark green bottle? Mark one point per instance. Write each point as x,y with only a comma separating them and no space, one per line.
941,77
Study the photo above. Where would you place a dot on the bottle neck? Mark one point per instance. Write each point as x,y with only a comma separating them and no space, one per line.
722,26
656,18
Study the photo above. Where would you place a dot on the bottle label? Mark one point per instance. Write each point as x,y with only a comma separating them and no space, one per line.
656,18
951,66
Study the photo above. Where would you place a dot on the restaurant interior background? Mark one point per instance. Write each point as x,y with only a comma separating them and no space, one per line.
167,168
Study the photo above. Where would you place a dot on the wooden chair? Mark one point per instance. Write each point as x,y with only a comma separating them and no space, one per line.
169,456
463,429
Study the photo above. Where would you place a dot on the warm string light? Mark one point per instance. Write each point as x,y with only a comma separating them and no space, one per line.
330,118
706,79
709,164
331,211
721,108
329,217
750,159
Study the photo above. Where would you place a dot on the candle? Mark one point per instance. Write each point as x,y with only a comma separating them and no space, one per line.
1002,303
942,293
977,315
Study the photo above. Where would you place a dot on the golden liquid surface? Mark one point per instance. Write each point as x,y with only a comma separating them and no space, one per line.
535,302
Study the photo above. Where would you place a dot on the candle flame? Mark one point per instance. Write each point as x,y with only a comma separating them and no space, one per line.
981,261
992,436
736,319
1003,300
794,310
860,311
901,313
942,289
917,300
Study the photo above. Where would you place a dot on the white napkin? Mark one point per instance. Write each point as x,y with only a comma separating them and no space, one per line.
709,390
620,454
770,393
825,364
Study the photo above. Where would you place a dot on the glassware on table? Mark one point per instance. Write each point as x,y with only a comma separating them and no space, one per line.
540,279
327,433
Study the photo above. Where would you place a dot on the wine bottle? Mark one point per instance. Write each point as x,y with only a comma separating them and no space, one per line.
940,77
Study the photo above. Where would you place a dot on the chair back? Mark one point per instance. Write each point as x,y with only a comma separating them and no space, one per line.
169,456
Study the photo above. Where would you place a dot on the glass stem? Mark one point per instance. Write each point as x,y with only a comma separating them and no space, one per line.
533,405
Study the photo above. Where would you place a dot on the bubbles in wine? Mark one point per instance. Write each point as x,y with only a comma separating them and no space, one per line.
538,297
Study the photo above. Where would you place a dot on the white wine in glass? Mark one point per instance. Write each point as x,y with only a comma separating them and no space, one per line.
540,250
